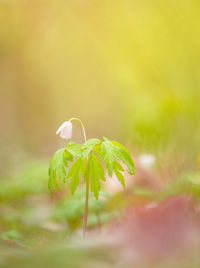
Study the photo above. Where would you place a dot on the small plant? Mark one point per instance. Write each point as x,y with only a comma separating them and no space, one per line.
87,160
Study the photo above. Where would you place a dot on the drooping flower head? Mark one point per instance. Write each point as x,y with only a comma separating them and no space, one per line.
65,130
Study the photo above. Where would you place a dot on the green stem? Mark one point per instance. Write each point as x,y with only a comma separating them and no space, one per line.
83,128
86,203
87,182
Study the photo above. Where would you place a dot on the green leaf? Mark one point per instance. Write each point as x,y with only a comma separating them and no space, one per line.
117,169
74,183
112,150
108,156
91,142
74,174
118,166
67,157
122,154
54,181
98,168
74,149
57,170
75,167
95,171
50,185
83,168
109,151
97,149
88,146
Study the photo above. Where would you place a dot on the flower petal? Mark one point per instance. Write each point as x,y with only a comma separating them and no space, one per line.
61,127
65,130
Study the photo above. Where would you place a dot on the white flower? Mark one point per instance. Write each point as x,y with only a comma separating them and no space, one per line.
65,130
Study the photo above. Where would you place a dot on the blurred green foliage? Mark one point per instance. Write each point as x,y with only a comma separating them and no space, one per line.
26,207
31,178
32,224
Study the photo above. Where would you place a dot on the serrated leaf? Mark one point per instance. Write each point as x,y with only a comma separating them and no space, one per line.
97,149
91,142
74,174
95,172
54,181
67,157
75,167
83,168
57,170
107,156
122,154
74,149
112,150
74,183
118,166
98,168
117,169
88,146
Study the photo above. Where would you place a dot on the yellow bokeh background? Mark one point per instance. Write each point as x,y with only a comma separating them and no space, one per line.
129,69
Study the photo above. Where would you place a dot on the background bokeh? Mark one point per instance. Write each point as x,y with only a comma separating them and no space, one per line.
129,69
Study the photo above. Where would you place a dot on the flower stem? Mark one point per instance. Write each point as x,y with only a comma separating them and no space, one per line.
86,203
83,128
87,181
